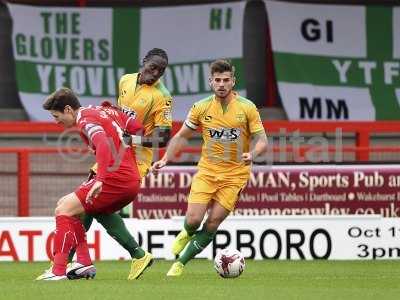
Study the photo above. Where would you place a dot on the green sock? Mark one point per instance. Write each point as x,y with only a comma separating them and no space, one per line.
87,222
116,228
196,245
190,229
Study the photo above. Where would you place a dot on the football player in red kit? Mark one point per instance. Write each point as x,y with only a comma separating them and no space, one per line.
115,185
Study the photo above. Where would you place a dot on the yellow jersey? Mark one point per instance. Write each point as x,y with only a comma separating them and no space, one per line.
226,133
151,105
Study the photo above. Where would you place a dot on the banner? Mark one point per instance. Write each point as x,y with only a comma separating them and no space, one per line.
193,37
327,237
83,49
89,49
336,62
284,190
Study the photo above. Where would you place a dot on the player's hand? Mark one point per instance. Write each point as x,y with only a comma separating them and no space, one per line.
94,192
247,157
157,166
126,139
91,175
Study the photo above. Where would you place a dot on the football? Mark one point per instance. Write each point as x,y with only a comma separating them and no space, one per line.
229,263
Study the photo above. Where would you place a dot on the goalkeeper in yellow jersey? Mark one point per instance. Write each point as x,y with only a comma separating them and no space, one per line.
145,97
229,123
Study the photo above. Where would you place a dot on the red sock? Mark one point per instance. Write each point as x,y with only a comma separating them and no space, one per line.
64,241
82,250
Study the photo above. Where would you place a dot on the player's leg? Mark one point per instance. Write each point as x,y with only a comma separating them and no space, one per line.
225,196
65,237
83,267
201,239
112,198
201,192
193,218
225,200
224,203
116,228
87,221
114,224
68,226
204,237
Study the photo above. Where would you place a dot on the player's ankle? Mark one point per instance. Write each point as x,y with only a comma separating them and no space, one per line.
138,253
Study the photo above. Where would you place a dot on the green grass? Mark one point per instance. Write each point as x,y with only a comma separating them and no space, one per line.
261,280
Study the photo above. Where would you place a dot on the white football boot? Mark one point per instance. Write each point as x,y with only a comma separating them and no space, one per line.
49,276
78,271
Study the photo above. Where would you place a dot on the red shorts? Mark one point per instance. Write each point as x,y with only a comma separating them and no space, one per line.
111,198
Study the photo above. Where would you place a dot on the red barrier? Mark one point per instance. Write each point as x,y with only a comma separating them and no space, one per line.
362,147
23,183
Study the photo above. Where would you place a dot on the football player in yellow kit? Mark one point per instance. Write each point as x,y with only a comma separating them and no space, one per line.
144,96
228,124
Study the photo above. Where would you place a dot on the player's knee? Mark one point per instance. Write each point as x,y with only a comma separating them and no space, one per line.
59,202
58,210
212,224
193,219
62,210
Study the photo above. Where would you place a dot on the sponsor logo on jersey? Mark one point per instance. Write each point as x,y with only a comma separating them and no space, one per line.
224,134
131,113
207,118
241,117
167,114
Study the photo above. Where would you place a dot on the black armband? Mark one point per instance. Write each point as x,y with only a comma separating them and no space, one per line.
158,139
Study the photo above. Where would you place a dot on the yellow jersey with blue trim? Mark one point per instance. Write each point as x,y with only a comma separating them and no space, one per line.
151,105
226,132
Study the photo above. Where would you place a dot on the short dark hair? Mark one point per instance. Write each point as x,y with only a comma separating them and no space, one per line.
156,52
60,99
221,66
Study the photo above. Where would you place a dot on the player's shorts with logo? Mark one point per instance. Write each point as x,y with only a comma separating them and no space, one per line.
221,188
112,197
143,168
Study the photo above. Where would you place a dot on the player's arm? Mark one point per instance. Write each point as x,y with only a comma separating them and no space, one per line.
258,136
93,169
180,139
175,145
98,138
162,124
260,142
158,139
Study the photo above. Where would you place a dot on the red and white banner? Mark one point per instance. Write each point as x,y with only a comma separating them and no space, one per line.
269,237
285,190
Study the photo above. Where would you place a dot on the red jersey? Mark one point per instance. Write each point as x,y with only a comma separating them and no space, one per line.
101,128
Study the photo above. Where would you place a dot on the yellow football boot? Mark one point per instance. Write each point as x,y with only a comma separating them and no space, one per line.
180,242
176,269
139,265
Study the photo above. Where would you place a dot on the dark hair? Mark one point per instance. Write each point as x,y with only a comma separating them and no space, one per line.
155,52
221,66
60,99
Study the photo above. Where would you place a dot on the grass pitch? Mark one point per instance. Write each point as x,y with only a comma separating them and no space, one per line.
261,280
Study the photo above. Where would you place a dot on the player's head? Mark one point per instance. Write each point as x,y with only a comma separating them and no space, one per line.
222,79
63,105
154,64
